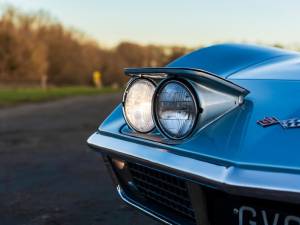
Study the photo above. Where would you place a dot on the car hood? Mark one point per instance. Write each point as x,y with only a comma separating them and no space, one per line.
239,61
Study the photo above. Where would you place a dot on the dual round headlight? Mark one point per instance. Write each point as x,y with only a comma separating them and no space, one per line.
172,107
138,105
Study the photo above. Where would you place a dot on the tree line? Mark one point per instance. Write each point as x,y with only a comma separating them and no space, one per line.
35,47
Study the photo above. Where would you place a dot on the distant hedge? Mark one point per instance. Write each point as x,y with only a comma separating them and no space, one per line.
35,47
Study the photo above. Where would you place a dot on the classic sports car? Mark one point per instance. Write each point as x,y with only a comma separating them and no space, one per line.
212,138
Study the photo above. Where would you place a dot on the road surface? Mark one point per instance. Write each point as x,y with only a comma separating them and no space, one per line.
48,175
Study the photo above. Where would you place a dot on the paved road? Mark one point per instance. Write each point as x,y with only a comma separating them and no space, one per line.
48,176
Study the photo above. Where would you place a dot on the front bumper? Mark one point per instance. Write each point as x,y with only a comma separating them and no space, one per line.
271,185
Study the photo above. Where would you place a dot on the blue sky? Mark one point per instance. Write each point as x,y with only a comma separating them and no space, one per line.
188,22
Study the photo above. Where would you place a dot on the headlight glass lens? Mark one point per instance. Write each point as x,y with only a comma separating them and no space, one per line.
138,105
176,109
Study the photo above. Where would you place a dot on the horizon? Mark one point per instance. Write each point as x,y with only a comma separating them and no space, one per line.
251,21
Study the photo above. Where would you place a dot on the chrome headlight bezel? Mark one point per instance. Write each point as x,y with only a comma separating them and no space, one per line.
215,97
129,85
189,88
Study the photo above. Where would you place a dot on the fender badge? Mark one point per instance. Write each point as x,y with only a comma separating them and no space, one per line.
289,123
268,121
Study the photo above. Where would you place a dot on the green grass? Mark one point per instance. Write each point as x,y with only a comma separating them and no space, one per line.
12,96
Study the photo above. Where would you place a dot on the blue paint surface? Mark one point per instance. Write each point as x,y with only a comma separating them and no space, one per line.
227,59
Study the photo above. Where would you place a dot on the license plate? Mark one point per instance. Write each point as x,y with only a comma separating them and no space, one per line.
224,209
248,215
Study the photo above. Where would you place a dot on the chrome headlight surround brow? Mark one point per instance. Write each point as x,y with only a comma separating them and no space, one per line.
195,104
127,118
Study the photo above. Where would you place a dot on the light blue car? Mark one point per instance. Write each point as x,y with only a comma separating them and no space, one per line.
212,138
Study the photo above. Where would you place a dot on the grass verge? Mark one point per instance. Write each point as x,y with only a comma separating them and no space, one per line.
21,95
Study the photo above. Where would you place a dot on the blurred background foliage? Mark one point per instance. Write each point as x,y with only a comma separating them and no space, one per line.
35,48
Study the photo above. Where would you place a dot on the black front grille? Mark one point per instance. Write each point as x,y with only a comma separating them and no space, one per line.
168,196
164,189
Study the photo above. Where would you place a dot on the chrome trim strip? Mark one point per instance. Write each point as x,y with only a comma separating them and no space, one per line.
149,212
232,179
